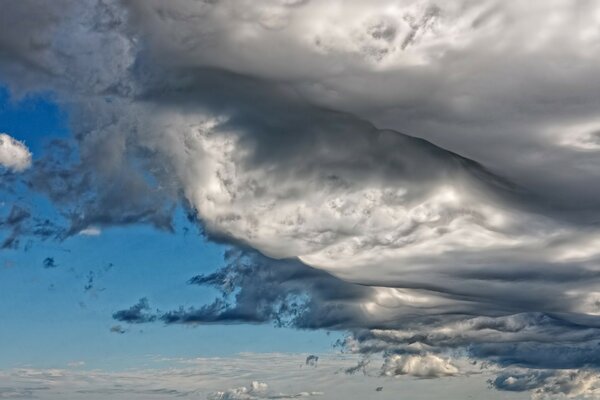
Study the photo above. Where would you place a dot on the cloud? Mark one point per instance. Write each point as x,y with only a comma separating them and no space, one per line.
477,237
91,231
360,366
19,393
92,192
550,383
14,155
256,289
117,329
49,262
423,343
312,360
257,390
177,378
427,366
14,221
20,221
138,313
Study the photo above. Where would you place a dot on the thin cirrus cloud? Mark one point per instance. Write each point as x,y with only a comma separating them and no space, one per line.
482,246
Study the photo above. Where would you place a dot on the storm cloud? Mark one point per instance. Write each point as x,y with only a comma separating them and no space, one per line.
472,237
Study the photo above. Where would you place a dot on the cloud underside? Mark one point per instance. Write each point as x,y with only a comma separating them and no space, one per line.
256,117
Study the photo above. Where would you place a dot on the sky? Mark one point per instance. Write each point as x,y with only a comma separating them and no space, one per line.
230,199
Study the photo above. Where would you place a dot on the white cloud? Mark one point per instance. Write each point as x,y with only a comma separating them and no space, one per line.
420,366
91,231
14,154
204,377
256,391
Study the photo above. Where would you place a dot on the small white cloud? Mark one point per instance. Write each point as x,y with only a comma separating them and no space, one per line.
90,231
421,366
14,154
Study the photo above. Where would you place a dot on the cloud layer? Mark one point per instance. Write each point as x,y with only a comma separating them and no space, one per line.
275,376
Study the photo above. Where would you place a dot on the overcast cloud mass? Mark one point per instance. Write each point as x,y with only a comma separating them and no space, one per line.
422,175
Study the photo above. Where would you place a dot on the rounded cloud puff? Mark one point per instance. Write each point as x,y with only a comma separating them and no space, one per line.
14,155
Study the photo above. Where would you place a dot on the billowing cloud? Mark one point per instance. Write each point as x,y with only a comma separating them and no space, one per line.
427,366
473,238
14,155
449,339
550,383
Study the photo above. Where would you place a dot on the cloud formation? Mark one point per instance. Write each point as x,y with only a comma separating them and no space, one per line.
416,341
473,238
428,366
199,378
549,383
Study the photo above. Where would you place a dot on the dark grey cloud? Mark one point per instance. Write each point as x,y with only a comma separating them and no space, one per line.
256,391
20,223
138,313
361,366
89,285
481,78
49,262
312,360
14,222
256,289
89,195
